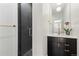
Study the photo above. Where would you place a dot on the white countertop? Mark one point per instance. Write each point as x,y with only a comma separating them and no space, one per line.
62,35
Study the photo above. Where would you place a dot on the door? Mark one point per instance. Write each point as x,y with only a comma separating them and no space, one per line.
55,46
25,28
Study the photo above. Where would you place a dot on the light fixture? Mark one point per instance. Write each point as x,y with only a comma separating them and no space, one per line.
57,21
58,9
59,3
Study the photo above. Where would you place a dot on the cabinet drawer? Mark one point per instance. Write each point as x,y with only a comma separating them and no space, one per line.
71,45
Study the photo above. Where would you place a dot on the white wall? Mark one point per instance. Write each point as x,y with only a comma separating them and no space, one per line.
75,22
8,35
47,14
40,30
8,13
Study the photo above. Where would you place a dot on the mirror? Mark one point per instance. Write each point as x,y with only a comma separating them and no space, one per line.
60,15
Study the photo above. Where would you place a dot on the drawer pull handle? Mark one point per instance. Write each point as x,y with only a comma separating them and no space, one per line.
66,50
67,45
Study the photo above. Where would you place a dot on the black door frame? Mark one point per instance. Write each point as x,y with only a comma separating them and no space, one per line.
19,27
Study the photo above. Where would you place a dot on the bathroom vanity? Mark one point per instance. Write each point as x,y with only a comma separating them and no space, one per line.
61,45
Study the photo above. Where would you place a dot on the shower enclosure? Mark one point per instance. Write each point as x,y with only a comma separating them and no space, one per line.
25,29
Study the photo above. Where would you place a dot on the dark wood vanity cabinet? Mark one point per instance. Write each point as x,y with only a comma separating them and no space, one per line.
59,46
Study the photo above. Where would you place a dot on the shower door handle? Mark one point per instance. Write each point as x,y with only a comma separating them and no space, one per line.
29,31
